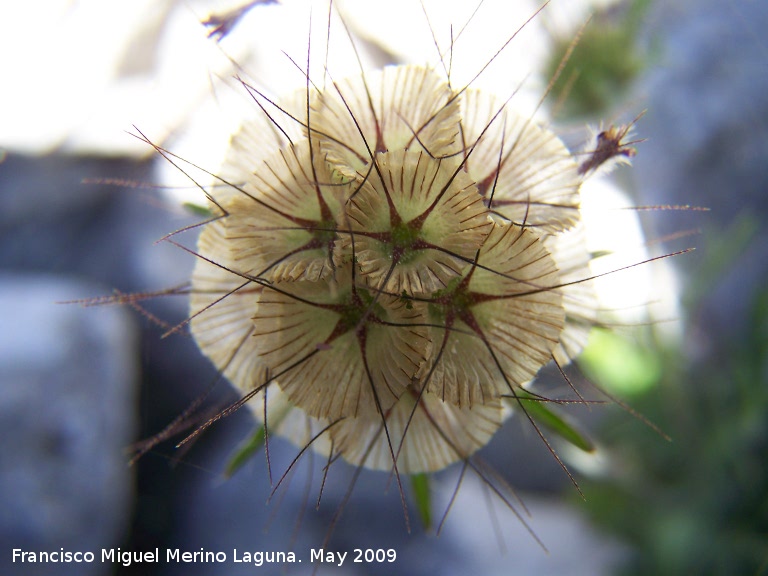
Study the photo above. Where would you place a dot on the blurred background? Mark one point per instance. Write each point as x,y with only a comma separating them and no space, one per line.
83,202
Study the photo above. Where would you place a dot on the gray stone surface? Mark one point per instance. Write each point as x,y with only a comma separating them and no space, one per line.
58,216
67,392
707,129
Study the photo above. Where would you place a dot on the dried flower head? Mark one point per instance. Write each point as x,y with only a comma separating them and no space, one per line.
391,261
390,268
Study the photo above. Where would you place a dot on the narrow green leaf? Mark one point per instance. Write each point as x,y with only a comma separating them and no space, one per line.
420,485
245,451
544,415
197,209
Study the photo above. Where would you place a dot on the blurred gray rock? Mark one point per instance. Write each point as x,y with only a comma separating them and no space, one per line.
60,214
67,391
707,129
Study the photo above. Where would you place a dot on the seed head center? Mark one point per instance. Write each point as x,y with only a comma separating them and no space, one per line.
404,238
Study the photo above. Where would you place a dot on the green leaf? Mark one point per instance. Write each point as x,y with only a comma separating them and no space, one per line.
544,415
621,365
197,209
245,451
420,485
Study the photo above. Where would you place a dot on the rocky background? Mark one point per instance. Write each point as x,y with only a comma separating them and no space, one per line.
79,385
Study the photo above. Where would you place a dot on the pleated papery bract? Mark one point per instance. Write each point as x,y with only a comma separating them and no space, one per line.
390,266
572,256
221,306
410,108
416,223
282,226
334,350
495,327
531,175
427,434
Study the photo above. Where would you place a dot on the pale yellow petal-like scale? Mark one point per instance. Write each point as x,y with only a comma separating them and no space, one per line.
533,177
465,375
221,306
500,342
428,439
337,362
282,226
257,139
415,186
397,108
573,257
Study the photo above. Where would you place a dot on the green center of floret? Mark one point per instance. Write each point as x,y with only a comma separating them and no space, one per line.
356,308
404,238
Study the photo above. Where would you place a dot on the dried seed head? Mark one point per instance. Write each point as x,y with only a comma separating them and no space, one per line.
391,260
389,267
